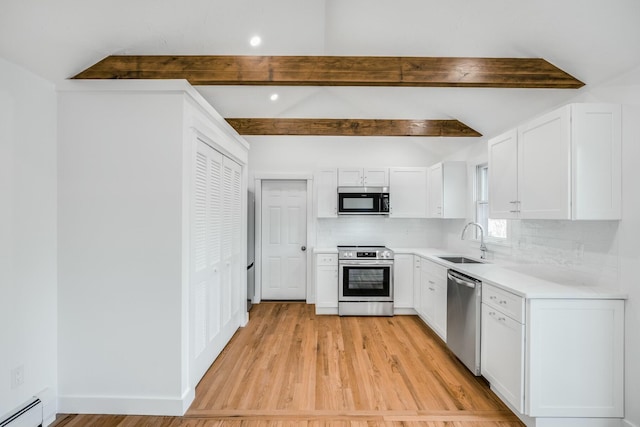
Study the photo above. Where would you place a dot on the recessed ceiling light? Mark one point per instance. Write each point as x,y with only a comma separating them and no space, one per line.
255,41
274,97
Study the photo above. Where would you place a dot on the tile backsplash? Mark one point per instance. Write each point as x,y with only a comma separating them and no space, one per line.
577,252
573,252
378,230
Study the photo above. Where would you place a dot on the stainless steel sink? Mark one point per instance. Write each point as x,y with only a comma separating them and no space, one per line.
460,260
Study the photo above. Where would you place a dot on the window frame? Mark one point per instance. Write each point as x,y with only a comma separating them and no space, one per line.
479,201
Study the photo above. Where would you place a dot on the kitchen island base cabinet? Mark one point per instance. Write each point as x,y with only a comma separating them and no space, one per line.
326,283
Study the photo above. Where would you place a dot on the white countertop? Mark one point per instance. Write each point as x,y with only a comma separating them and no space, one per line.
504,276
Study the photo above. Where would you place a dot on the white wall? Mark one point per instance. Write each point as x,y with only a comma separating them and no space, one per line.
305,154
28,239
120,253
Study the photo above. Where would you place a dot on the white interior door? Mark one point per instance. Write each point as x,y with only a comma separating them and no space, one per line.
284,240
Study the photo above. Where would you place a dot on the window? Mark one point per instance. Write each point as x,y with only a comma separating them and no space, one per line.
496,229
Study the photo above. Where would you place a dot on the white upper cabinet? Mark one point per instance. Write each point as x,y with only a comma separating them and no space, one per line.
408,192
503,175
544,166
447,195
596,156
326,183
565,164
367,177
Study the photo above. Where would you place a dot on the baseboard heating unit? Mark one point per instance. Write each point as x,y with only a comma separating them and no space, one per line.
27,415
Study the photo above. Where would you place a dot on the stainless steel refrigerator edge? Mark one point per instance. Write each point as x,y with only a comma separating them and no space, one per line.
251,280
464,296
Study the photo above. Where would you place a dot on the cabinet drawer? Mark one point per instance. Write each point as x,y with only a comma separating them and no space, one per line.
511,304
327,259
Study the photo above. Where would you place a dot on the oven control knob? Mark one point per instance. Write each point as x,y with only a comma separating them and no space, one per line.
385,254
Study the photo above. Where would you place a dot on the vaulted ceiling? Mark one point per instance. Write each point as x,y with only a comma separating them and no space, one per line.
592,40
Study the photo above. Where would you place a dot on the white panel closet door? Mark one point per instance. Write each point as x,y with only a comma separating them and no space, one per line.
231,232
205,253
284,240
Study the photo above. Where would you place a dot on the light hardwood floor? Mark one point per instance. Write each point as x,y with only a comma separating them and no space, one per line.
291,367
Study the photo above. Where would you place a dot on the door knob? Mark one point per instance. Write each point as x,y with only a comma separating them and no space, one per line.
303,248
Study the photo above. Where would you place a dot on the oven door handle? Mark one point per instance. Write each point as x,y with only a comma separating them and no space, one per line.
366,263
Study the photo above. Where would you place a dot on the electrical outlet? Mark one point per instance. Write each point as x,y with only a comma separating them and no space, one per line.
17,376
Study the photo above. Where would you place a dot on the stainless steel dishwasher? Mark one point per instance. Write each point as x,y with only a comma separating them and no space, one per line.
464,296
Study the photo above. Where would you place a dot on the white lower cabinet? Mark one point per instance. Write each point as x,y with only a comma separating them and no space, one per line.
554,361
403,281
326,278
432,306
502,354
575,358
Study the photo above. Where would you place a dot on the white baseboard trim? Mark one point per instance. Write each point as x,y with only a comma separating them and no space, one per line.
326,310
119,405
404,311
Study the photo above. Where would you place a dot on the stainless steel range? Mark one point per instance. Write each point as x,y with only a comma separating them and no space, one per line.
365,281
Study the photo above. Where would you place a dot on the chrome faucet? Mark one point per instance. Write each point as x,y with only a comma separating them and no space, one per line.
483,247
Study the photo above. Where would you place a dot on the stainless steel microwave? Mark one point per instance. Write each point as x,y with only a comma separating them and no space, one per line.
363,200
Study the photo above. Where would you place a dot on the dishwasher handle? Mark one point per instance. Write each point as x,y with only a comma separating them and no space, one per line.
463,281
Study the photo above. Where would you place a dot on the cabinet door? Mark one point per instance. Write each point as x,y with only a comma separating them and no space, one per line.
544,166
350,177
575,357
427,296
503,176
502,355
435,191
454,190
596,163
403,281
440,308
378,177
327,281
408,192
326,193
416,283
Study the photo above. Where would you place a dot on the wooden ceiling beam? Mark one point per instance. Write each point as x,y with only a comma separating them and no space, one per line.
351,127
337,71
